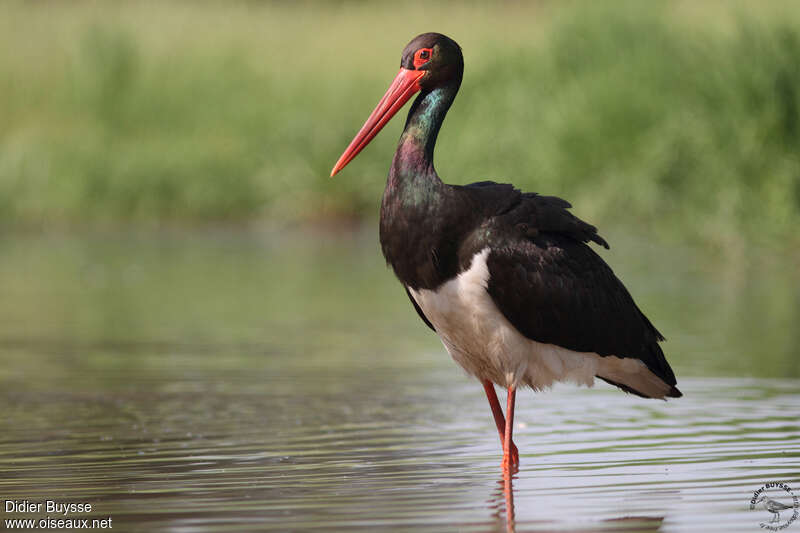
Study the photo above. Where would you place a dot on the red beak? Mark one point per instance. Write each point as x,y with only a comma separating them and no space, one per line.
402,88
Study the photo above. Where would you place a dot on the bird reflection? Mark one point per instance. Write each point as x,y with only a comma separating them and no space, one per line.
502,504
503,501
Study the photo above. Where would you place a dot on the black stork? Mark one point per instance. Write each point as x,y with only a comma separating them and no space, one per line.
505,278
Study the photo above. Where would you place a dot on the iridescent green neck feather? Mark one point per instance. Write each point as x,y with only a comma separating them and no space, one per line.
414,157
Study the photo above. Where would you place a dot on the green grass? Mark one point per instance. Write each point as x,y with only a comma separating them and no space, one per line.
672,117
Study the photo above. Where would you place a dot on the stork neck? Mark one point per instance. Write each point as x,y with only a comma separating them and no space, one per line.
414,156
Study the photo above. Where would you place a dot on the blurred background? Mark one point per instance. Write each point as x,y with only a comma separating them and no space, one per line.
164,165
197,327
679,118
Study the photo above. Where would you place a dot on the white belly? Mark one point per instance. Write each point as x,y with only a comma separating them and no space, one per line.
488,346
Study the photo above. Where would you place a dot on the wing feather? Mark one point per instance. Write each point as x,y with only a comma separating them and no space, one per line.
555,289
558,291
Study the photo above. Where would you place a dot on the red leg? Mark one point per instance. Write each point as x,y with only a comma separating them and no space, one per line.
497,412
509,462
499,420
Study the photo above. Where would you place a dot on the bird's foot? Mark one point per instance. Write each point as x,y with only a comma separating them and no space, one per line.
510,467
510,462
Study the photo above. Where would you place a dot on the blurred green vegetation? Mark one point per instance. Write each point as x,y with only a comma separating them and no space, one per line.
679,117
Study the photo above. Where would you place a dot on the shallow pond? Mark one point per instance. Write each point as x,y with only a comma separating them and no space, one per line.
239,380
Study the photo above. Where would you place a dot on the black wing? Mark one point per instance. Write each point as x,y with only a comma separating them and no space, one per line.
529,213
555,289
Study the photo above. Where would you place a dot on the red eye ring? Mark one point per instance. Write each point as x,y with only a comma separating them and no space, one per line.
422,56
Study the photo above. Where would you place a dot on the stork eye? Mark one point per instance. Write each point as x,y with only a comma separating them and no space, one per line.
422,56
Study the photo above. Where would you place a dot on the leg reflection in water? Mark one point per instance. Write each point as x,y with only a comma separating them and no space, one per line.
502,505
503,502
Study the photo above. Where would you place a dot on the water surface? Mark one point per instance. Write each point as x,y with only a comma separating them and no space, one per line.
238,381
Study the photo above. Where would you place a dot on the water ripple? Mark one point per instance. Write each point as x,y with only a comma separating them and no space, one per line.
404,454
